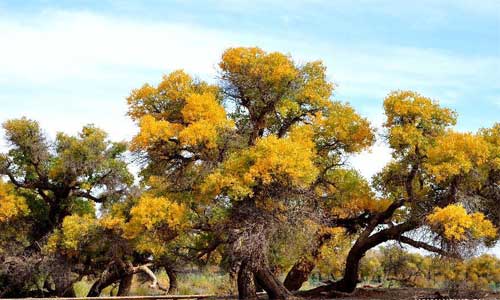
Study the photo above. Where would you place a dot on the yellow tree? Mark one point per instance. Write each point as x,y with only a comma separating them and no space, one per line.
242,154
432,185
132,236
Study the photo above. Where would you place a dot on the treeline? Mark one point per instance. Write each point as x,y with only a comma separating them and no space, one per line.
393,266
251,174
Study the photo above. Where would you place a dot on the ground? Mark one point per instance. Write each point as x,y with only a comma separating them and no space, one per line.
411,293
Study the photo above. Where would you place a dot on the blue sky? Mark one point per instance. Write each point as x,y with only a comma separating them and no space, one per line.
68,63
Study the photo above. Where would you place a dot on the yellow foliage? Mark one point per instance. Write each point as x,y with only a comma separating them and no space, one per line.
349,194
492,138
165,101
455,153
272,159
456,224
112,222
153,212
413,120
74,231
153,131
483,270
201,117
11,205
275,70
342,128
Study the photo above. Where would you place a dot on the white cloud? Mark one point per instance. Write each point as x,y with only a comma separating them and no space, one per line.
79,66
58,45
369,162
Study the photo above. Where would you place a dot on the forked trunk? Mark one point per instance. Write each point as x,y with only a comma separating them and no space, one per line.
107,278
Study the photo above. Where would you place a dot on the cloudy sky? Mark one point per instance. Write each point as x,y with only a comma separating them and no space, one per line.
69,63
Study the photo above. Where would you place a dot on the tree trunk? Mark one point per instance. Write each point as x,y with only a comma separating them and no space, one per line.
274,288
246,282
302,269
172,280
125,285
365,242
107,278
299,273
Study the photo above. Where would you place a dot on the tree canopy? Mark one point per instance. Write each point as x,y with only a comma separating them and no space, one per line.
252,173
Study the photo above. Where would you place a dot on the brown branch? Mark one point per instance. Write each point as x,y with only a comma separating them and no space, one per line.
422,245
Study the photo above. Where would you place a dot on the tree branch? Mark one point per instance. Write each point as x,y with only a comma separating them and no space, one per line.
422,245
146,270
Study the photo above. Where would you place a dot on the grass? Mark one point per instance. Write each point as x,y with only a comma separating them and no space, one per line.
197,282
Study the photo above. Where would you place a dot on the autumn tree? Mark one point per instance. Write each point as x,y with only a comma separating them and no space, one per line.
434,184
60,178
247,154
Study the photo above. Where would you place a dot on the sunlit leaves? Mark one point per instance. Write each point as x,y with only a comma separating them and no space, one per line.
414,120
154,212
288,161
11,204
455,154
342,129
456,224
179,112
74,232
165,101
249,68
492,138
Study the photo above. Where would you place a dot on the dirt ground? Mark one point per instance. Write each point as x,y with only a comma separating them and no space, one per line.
411,293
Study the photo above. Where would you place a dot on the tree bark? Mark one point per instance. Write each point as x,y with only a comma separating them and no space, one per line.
125,285
246,282
351,272
106,279
305,265
299,273
274,288
172,280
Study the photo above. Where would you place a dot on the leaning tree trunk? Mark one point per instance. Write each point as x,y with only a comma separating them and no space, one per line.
251,275
301,270
107,278
299,273
351,272
250,246
273,287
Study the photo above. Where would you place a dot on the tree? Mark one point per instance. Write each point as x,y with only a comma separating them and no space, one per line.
61,178
131,237
242,154
431,174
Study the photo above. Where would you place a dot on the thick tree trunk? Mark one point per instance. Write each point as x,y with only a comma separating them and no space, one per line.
172,280
68,292
274,288
125,285
107,278
348,283
246,282
299,273
302,269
